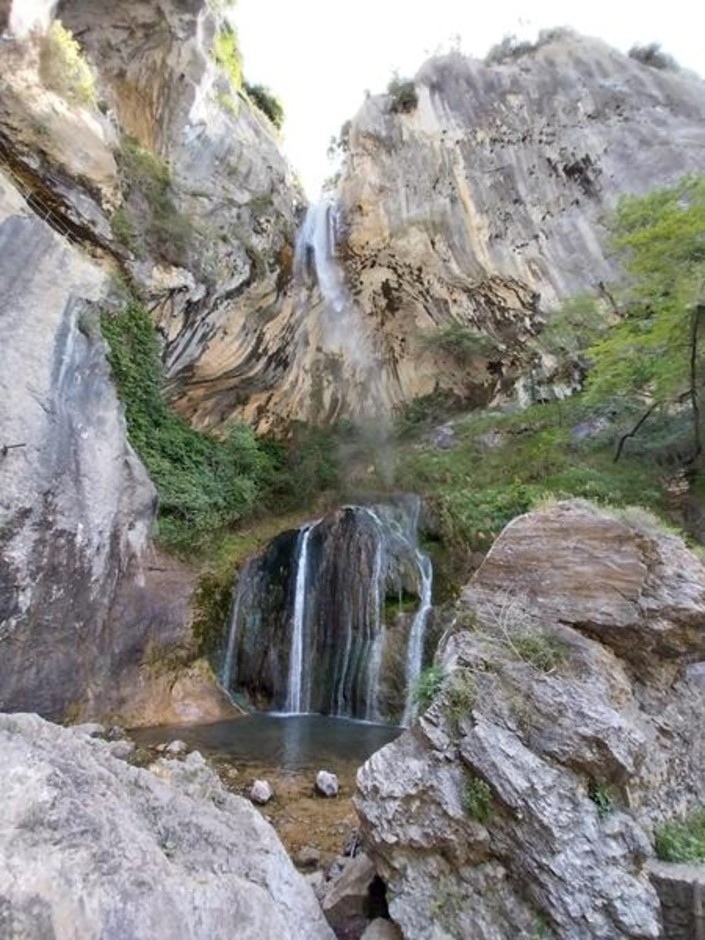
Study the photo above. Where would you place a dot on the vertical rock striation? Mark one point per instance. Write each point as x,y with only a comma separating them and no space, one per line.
480,206
75,503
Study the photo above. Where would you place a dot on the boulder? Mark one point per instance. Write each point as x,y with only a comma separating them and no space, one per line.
261,792
348,898
566,727
307,857
326,783
381,929
92,847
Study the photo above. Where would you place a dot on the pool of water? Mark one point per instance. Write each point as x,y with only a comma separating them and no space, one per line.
291,743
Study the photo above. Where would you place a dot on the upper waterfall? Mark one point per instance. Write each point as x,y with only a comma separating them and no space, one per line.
315,254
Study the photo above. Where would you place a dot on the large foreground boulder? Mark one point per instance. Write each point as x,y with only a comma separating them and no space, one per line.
566,726
91,847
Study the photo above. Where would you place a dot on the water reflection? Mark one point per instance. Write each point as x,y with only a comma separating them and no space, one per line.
291,743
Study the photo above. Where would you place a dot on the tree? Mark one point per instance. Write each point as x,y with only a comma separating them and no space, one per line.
267,102
654,352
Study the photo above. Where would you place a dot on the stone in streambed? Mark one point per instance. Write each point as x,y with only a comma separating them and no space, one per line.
261,792
347,899
327,784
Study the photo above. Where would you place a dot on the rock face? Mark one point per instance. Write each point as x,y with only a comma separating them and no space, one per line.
75,503
565,728
221,303
81,611
486,201
100,849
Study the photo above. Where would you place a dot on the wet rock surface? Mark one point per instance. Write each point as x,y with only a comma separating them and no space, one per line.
565,728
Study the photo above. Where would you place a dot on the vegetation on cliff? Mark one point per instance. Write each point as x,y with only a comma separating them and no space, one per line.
204,483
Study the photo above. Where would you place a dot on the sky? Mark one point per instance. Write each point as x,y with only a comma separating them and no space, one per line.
320,56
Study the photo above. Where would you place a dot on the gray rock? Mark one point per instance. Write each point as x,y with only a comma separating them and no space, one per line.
381,929
347,898
176,748
101,850
76,505
528,790
261,792
122,750
91,729
326,783
307,857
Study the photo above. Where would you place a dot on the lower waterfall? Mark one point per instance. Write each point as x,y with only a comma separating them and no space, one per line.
332,617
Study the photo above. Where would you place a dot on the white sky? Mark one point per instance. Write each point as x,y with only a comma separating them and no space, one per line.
319,56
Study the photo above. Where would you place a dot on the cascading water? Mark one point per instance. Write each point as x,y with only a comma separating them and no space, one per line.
417,635
315,253
226,672
294,698
317,624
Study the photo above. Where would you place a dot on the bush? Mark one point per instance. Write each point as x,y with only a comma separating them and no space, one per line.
428,685
600,795
402,91
62,67
652,56
458,341
460,695
508,49
267,102
537,648
226,52
682,840
149,207
477,800
204,483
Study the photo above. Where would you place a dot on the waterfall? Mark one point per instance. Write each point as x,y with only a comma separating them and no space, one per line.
315,249
417,635
321,619
296,660
226,672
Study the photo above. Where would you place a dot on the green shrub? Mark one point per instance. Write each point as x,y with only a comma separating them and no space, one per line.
267,102
653,56
460,695
477,800
226,52
428,685
204,483
402,92
682,840
62,67
459,341
539,649
600,795
149,206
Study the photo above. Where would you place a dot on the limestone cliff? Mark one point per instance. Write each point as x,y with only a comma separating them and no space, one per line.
147,169
476,198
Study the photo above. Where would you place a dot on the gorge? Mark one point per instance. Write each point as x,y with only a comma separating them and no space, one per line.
348,460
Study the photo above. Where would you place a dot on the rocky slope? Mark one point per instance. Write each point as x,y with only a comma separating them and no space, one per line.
567,726
477,197
95,848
